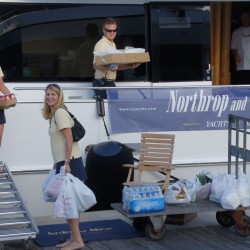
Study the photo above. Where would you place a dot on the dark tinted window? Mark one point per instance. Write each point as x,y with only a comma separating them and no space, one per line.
50,42
180,42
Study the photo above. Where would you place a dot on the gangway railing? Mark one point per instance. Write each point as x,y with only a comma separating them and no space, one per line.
16,222
238,142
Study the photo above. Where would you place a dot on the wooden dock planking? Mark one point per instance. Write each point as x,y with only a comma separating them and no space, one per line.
201,238
196,238
181,237
230,234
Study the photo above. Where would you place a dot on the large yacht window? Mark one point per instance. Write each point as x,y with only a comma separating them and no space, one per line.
180,43
56,42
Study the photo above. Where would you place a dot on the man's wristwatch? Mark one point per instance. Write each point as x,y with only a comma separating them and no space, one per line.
67,161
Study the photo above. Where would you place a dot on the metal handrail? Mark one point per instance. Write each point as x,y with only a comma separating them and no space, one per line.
239,151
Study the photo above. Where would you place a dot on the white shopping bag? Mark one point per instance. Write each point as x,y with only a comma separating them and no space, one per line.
46,196
65,205
218,186
203,192
84,196
243,190
74,197
177,195
190,187
53,186
230,199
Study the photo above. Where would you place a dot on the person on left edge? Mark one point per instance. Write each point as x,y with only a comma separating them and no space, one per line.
5,91
65,152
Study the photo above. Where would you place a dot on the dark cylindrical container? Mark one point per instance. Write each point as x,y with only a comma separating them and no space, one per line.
105,172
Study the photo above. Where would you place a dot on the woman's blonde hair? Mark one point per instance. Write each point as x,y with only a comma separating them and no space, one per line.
47,113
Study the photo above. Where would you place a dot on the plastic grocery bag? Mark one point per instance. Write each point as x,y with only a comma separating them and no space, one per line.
203,185
84,196
218,186
65,205
177,195
46,196
53,187
74,197
230,199
50,175
243,190
190,187
203,192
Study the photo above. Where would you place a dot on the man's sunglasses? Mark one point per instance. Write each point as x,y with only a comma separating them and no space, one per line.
109,31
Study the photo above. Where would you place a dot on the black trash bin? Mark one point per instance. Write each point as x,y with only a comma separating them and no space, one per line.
105,172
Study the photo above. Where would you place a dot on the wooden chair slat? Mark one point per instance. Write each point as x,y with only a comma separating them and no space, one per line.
153,157
152,135
157,151
165,141
155,169
130,166
154,163
152,145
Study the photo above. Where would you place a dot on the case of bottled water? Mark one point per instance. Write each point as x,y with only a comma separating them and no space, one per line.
142,199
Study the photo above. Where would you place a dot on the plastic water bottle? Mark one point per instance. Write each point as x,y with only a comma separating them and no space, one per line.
125,197
112,66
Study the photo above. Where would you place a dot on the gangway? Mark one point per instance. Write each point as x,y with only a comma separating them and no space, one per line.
16,222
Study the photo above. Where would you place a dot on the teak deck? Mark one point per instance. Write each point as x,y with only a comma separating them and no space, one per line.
195,238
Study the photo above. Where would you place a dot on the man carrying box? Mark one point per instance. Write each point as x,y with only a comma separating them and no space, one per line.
105,75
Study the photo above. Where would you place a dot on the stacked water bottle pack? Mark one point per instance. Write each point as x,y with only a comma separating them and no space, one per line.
142,199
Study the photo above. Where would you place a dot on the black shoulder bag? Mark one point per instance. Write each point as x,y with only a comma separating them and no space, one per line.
78,131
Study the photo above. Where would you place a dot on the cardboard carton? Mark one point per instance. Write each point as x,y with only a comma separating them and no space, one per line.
8,103
123,58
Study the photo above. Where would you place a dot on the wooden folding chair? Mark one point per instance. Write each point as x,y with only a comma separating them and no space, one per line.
155,156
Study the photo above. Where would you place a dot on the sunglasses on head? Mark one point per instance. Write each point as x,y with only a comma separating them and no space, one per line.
53,85
109,31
